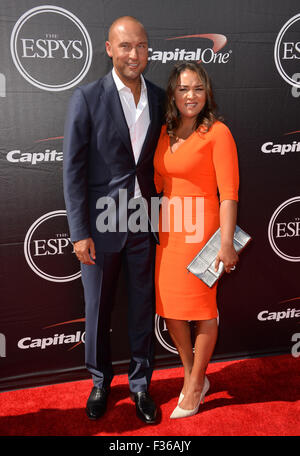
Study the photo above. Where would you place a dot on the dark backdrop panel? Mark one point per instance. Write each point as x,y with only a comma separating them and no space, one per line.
44,55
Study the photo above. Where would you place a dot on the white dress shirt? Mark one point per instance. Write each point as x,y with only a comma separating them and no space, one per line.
137,118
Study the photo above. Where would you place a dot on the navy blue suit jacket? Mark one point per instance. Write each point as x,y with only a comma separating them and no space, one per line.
98,157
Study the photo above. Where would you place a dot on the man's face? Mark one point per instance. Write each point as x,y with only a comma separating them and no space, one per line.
128,48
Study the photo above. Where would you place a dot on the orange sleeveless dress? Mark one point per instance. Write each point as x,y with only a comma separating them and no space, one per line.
202,172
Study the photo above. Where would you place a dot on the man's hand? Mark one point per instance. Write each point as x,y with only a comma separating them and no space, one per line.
85,251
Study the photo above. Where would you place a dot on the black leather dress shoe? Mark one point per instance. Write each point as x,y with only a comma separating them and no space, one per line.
97,401
145,407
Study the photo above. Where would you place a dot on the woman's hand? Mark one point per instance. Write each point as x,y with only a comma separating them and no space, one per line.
228,256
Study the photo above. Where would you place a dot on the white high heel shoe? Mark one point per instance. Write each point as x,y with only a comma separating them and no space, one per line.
181,395
179,412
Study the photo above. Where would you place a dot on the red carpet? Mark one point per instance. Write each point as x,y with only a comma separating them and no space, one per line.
252,397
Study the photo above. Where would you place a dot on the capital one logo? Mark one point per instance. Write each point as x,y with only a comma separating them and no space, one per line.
289,147
51,48
48,248
211,44
287,51
284,230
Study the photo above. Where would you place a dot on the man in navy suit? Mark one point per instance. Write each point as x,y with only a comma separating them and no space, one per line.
111,133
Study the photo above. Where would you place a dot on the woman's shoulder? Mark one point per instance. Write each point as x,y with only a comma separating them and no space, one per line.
164,132
164,129
219,127
162,140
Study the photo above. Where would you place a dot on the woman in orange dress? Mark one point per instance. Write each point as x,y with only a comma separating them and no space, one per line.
196,169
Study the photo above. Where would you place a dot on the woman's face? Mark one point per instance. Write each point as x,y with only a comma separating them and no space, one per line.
189,94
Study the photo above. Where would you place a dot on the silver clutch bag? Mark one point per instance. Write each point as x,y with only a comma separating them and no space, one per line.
203,265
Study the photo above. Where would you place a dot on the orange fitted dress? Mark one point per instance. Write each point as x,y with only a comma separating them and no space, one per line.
202,172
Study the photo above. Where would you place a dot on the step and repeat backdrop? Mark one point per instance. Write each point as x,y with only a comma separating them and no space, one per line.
251,49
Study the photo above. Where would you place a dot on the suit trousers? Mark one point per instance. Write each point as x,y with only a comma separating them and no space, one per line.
99,282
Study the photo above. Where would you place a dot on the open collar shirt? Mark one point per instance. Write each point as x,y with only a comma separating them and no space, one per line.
137,118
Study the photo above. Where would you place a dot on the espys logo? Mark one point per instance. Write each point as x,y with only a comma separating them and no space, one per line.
209,53
284,230
48,248
287,51
51,48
